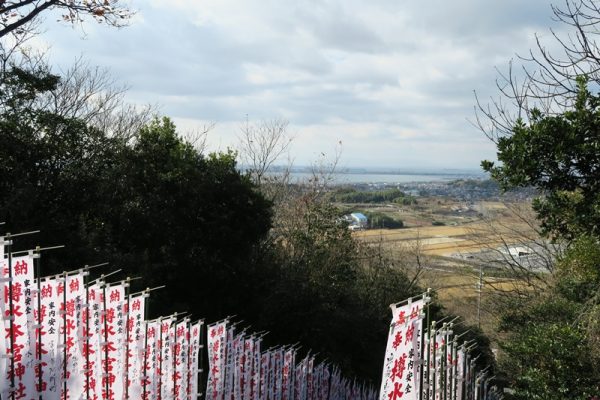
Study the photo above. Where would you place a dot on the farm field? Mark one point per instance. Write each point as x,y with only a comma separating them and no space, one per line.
451,265
448,240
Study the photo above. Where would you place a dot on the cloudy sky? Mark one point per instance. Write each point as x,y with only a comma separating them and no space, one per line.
392,80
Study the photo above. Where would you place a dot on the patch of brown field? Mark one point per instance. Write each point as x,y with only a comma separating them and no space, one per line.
449,240
457,290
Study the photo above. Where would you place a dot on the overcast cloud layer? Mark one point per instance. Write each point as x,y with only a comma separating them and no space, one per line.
393,80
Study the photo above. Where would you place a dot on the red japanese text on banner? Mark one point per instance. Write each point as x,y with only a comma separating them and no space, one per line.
286,374
17,340
399,369
113,330
238,371
151,356
50,368
247,358
93,339
216,360
265,359
193,367
134,357
166,365
256,370
229,365
71,298
279,373
180,362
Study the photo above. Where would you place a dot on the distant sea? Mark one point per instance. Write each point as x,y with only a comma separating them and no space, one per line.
390,176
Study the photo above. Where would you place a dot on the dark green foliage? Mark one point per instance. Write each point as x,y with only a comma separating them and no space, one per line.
158,209
330,294
381,220
154,207
578,271
351,195
51,171
547,352
188,221
559,155
546,355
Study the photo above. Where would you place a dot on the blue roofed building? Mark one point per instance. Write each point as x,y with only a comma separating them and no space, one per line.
359,220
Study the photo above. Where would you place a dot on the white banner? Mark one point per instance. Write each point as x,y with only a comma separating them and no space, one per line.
228,379
113,331
460,372
167,367
71,299
151,356
134,357
194,360
180,359
17,338
216,361
247,361
278,373
399,370
95,333
287,373
51,368
256,370
265,360
238,366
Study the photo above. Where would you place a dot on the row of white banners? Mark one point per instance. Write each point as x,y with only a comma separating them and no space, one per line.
239,370
66,338
428,364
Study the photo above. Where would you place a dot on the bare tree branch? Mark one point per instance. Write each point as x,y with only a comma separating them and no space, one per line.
16,16
263,144
546,80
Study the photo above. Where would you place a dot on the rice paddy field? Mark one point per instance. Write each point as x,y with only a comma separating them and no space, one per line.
449,252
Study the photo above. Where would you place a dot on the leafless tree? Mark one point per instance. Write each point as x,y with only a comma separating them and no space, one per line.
18,16
91,94
519,259
198,137
323,171
545,79
262,144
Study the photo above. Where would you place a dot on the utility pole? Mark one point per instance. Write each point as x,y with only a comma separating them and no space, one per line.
479,290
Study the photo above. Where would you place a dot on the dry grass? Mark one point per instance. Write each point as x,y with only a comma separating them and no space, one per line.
446,240
455,281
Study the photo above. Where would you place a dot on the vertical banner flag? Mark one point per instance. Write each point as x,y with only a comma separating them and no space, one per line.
113,340
193,371
287,371
247,361
151,356
51,369
399,379
166,376
256,371
265,359
216,360
72,298
460,372
180,359
95,339
135,347
16,335
229,365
